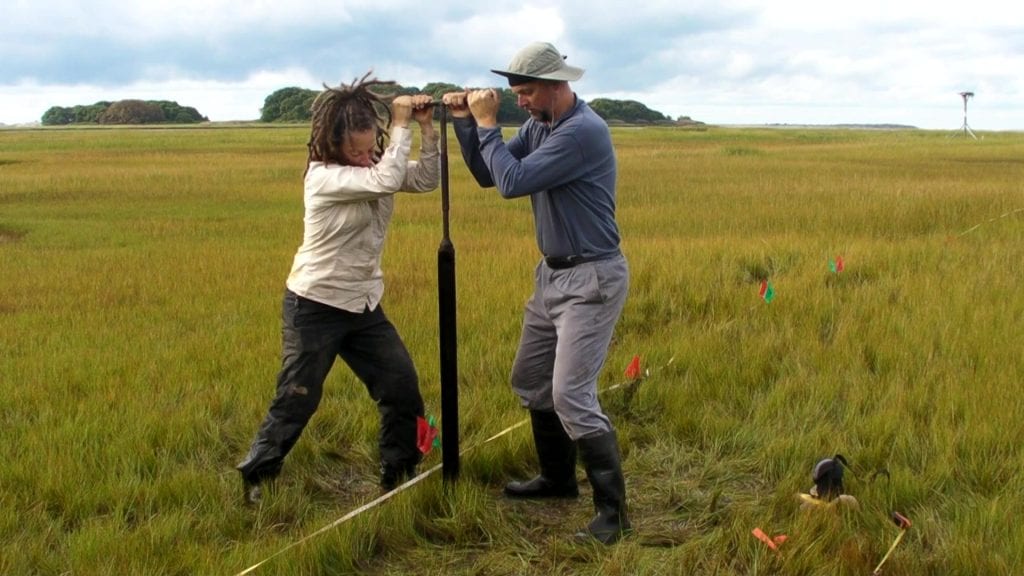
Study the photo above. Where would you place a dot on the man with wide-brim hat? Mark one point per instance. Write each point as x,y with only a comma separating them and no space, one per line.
539,61
562,159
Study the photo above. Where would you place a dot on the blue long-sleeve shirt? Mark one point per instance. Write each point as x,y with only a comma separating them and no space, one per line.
568,170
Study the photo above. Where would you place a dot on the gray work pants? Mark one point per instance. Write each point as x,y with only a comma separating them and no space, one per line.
567,327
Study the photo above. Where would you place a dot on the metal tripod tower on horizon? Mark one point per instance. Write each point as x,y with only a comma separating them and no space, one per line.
965,128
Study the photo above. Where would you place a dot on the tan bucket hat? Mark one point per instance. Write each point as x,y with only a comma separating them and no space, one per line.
539,61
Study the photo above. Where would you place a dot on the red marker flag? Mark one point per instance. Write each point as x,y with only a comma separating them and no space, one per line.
426,434
633,370
837,265
766,292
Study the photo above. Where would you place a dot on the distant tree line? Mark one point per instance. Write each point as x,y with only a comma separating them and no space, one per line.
293,104
123,112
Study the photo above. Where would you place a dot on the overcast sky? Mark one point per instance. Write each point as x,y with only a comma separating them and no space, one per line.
717,61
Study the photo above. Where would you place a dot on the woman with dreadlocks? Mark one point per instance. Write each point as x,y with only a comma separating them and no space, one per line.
332,299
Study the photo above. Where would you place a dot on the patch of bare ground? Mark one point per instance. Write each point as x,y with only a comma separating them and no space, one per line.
10,236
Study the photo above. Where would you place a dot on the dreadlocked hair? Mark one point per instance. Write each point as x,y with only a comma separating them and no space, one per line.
348,108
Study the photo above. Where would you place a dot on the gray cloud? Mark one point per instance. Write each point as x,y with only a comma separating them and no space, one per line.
723,62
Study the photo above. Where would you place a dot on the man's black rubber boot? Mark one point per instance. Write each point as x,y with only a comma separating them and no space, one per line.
600,457
557,455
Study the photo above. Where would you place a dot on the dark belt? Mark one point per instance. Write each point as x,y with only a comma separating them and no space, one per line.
562,262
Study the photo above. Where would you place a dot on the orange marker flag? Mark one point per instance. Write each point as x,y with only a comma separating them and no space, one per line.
772,543
633,370
902,521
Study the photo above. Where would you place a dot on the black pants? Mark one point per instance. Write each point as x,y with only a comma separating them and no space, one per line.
313,334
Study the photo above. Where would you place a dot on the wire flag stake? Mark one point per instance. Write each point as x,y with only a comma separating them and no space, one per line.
904,523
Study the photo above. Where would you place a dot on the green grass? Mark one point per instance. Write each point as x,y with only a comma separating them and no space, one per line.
141,273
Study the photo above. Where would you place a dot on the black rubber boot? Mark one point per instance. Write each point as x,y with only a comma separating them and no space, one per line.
604,470
557,455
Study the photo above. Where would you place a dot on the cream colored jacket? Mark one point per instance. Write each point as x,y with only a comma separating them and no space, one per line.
347,211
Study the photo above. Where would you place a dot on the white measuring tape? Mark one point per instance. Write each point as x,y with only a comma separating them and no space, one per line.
401,488
376,502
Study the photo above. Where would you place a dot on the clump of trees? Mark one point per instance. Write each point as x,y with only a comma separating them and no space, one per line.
290,104
124,112
629,111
